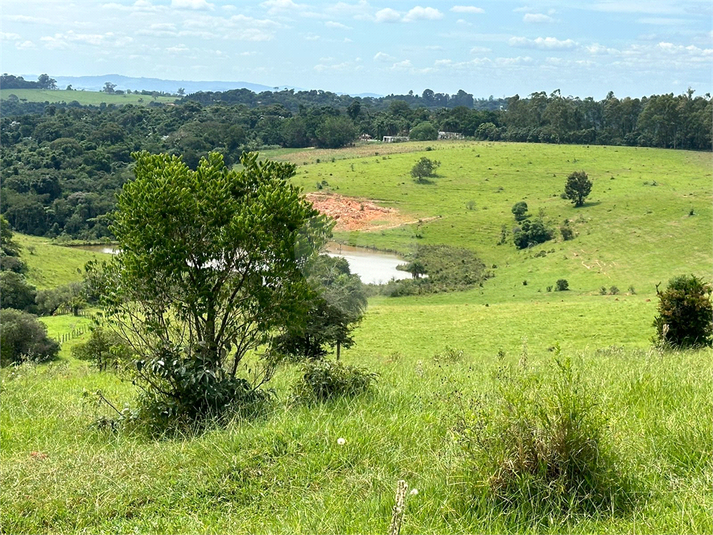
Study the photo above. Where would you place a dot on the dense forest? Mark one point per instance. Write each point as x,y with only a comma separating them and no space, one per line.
63,163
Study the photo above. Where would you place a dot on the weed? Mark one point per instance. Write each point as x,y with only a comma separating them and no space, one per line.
539,445
324,380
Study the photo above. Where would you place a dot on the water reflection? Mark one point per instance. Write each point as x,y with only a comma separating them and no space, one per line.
373,267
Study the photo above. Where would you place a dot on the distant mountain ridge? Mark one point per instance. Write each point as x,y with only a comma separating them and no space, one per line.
96,83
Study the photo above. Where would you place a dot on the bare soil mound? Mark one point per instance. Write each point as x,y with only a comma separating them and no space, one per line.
352,213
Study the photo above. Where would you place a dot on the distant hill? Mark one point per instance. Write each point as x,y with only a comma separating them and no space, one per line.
96,83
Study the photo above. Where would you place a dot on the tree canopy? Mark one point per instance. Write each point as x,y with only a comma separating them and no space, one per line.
578,187
211,267
337,307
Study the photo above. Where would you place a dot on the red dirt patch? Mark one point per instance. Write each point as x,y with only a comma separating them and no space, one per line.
356,214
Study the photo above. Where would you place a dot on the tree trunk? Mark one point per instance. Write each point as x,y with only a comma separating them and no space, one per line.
339,346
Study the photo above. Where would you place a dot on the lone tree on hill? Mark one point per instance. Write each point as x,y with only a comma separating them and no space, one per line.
578,187
424,169
211,268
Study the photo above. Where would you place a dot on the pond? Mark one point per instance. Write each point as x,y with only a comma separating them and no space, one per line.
373,267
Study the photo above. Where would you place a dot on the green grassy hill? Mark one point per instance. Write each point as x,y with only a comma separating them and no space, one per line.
635,229
286,473
86,98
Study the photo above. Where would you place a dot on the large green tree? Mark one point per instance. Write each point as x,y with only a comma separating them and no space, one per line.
211,268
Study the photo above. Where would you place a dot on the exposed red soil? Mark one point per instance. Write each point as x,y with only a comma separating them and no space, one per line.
352,213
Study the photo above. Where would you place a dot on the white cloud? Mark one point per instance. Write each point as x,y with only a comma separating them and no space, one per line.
537,18
660,21
5,36
423,13
464,22
25,45
139,5
198,5
336,25
65,40
387,15
361,10
311,37
381,56
276,6
520,60
339,67
27,19
479,50
652,7
468,9
405,64
542,43
178,49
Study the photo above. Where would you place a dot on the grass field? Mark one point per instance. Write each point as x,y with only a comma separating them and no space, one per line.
86,98
51,265
284,472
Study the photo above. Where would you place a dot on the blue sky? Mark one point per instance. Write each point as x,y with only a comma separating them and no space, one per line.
486,47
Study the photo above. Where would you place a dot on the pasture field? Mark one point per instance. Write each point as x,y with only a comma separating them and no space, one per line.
85,98
50,265
285,472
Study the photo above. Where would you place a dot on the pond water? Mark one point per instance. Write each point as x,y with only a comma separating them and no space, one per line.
373,267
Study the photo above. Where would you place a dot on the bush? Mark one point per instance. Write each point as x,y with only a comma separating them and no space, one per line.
531,233
24,337
540,445
105,349
567,232
685,313
323,380
424,169
519,210
561,285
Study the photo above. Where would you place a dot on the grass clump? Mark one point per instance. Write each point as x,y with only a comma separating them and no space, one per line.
540,445
324,380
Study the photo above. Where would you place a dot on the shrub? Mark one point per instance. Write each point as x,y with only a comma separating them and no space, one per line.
424,169
531,233
105,349
562,285
519,210
685,313
567,232
540,445
613,290
323,380
24,337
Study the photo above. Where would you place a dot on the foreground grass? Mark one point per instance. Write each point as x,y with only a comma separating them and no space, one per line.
285,473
